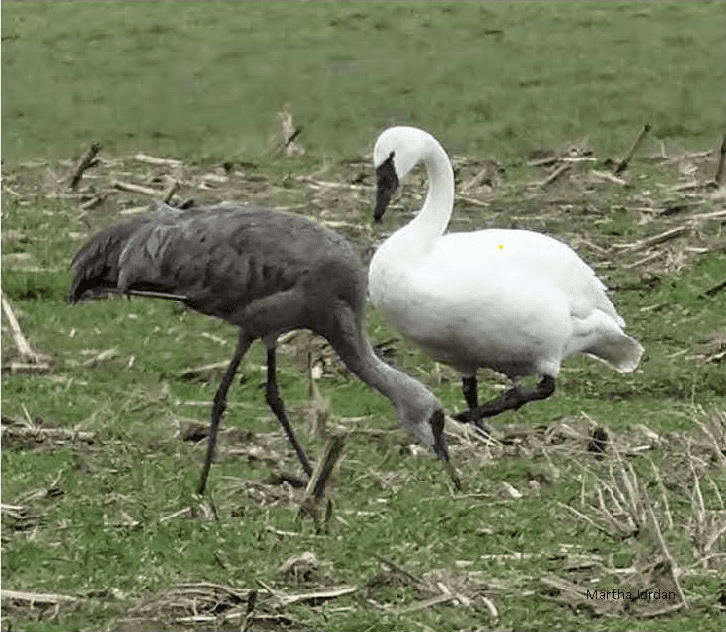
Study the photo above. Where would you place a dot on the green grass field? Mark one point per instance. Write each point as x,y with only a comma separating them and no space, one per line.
200,80
101,528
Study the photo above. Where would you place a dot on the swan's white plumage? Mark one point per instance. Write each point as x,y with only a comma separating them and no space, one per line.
516,301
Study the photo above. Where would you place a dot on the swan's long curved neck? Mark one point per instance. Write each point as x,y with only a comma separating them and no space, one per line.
434,216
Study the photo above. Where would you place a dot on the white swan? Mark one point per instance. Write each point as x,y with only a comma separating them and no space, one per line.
515,301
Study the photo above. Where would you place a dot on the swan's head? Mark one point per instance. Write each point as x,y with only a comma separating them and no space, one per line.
396,152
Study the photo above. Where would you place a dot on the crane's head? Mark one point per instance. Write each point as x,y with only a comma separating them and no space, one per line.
424,420
396,152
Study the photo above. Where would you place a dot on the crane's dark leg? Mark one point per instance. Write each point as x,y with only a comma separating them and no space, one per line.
220,403
512,399
469,388
278,407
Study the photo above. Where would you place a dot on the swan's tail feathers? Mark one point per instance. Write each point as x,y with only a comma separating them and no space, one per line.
623,353
96,265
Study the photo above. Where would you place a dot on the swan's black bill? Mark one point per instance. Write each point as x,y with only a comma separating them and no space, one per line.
386,185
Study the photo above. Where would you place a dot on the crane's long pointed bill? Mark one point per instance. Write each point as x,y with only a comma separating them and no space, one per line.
386,185
440,449
453,474
442,453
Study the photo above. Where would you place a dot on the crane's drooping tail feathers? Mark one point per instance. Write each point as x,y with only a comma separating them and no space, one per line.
95,267
621,352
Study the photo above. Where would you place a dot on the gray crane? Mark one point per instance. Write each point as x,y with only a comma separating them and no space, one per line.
267,272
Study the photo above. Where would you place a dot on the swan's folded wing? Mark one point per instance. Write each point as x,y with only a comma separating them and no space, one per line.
519,261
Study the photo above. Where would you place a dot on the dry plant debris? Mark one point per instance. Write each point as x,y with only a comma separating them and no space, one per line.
626,507
315,490
685,221
628,503
30,432
680,215
215,605
30,360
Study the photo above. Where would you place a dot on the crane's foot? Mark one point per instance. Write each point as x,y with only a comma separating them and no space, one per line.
281,479
196,433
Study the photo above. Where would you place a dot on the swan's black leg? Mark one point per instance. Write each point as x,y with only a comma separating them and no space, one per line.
278,407
220,403
512,399
469,388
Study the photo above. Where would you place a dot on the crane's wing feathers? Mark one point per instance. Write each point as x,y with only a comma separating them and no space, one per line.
220,258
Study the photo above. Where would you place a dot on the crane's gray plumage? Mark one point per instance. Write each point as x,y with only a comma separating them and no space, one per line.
267,272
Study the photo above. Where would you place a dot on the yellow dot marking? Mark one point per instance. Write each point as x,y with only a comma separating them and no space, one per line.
500,246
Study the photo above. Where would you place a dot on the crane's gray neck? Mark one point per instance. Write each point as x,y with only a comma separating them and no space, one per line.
404,392
413,402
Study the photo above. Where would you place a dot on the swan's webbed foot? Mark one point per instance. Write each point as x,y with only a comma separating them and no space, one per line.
512,399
